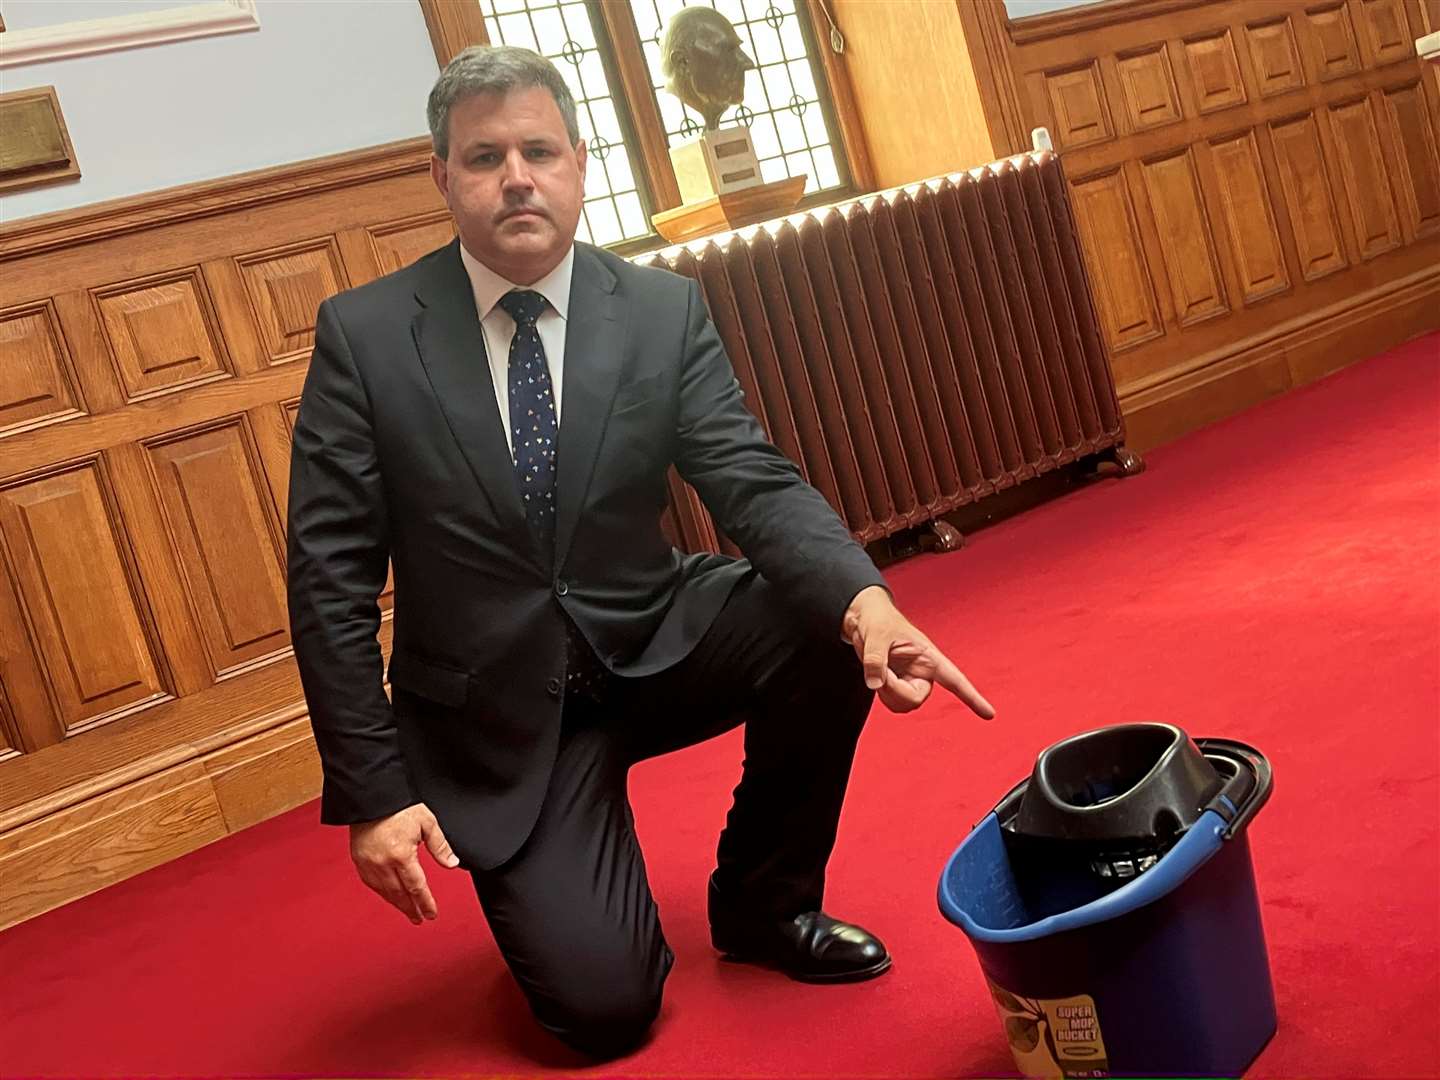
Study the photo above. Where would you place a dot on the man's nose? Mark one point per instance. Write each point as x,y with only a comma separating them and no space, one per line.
516,175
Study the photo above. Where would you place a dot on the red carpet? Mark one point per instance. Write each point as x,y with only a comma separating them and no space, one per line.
1274,578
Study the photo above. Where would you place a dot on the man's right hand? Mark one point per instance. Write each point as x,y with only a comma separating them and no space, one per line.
385,855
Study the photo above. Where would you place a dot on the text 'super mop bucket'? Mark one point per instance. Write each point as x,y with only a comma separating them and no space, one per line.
1111,902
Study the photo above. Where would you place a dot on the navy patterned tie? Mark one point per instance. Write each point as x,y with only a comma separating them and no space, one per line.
534,434
534,428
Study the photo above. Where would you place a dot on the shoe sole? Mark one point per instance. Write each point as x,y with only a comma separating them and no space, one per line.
859,975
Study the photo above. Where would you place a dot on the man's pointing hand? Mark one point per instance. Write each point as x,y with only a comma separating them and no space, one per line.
902,664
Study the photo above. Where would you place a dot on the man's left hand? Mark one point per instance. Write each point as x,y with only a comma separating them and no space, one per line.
901,663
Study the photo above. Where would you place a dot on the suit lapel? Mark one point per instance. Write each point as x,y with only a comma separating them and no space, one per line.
452,349
594,353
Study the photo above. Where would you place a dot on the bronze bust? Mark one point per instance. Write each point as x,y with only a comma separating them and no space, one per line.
703,62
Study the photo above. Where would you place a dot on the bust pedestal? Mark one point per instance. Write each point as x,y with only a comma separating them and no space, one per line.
721,188
721,212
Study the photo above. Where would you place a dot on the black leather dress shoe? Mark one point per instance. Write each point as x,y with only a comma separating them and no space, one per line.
812,947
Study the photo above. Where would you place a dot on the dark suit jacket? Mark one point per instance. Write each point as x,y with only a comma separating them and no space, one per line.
399,451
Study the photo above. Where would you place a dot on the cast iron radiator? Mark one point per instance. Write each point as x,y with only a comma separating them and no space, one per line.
913,351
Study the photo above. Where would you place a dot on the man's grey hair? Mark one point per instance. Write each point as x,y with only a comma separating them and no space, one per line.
494,69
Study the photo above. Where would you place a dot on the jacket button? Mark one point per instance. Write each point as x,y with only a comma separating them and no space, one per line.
561,589
552,687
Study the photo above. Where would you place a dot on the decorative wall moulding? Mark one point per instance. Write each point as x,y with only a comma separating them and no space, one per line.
87,36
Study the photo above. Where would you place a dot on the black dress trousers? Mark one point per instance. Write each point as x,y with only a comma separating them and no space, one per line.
572,911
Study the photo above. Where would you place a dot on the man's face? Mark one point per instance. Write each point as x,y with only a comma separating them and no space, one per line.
513,181
719,65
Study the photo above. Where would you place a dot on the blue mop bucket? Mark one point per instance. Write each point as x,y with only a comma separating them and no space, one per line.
1111,902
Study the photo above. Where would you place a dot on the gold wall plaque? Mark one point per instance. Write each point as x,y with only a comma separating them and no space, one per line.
36,146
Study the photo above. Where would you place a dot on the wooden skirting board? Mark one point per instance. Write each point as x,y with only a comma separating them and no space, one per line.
146,822
149,812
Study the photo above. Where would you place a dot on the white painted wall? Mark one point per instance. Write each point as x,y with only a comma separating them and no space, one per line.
1018,9
318,77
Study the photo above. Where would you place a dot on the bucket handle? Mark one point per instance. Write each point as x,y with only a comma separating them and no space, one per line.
1242,795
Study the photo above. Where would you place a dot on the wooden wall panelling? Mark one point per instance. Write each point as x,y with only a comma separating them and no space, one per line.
399,243
76,581
1257,257
1274,55
284,201
143,744
103,431
1286,355
1186,242
1414,165
1078,105
1185,350
1353,141
1275,161
1082,21
222,520
151,366
285,287
1309,195
158,568
1384,32
1328,40
235,315
31,720
1214,71
162,333
10,741
83,336
1116,259
1147,83
359,258
272,425
38,384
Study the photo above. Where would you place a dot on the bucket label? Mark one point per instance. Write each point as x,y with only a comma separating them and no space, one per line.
1053,1038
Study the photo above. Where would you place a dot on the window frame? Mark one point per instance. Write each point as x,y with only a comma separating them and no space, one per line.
455,25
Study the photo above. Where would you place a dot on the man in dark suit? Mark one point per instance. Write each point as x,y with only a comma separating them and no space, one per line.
498,420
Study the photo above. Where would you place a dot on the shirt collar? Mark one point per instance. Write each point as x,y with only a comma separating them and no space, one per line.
489,286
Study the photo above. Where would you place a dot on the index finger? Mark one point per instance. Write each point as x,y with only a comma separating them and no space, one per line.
412,878
953,679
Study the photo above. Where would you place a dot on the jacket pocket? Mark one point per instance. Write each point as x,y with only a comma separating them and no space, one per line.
442,685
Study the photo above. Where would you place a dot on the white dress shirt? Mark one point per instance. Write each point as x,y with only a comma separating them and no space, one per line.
499,327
